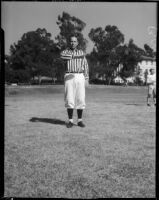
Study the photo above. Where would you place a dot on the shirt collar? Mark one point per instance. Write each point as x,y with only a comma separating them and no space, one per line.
76,49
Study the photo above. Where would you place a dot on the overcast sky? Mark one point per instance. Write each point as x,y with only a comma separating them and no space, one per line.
136,20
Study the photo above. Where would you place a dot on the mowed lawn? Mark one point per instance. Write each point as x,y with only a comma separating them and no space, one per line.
112,157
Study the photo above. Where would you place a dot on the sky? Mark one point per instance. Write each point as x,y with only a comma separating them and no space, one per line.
136,20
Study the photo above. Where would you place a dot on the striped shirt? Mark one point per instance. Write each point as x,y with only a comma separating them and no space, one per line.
151,79
75,61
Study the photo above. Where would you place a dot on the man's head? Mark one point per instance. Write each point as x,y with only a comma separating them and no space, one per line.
152,71
73,42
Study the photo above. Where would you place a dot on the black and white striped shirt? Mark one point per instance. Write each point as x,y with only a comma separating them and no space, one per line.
75,61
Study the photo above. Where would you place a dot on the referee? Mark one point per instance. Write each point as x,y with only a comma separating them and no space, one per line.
75,78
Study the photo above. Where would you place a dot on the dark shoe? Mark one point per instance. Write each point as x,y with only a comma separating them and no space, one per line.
81,124
69,125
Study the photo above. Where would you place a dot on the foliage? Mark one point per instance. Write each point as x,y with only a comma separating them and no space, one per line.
130,55
70,26
36,54
33,54
92,59
146,76
149,51
106,43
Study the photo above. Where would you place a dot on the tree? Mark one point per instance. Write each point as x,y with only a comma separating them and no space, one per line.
129,57
149,51
146,76
92,59
69,25
106,43
34,54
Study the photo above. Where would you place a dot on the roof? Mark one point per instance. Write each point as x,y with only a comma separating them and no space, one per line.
118,78
148,58
43,78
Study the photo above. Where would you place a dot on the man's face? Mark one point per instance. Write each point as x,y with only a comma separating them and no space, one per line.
73,42
152,71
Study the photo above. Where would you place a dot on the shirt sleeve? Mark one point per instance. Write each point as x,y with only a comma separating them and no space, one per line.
86,69
151,79
148,79
65,55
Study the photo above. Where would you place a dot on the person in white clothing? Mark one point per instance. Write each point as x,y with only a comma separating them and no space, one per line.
76,76
151,82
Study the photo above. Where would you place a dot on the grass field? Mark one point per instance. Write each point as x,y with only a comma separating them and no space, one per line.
112,157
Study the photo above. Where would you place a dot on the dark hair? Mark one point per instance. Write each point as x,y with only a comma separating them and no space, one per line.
73,35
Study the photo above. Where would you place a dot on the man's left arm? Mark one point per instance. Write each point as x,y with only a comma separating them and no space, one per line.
86,69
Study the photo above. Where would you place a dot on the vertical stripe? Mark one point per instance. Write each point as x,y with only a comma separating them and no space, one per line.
72,65
84,66
76,64
80,61
69,64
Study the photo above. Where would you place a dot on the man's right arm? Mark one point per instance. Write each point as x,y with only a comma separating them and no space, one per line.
65,55
150,80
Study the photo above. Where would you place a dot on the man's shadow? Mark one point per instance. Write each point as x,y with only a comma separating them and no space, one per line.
47,120
134,104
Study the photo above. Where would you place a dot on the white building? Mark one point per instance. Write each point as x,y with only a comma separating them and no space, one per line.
118,79
130,79
143,66
146,64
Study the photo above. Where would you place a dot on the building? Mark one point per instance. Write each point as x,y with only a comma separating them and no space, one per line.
118,79
142,69
146,64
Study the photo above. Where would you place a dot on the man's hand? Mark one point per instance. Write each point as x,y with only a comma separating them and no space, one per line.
86,82
66,56
74,57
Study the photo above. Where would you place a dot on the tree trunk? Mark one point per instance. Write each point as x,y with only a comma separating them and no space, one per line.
39,77
109,80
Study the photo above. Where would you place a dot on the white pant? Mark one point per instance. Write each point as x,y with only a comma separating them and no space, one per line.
151,91
74,90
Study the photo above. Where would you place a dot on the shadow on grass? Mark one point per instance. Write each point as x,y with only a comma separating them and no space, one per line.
134,104
47,120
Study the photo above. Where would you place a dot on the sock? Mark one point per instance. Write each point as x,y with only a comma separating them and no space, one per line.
71,120
79,113
70,114
79,120
148,100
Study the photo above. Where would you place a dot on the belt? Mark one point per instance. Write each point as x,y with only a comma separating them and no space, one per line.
74,72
